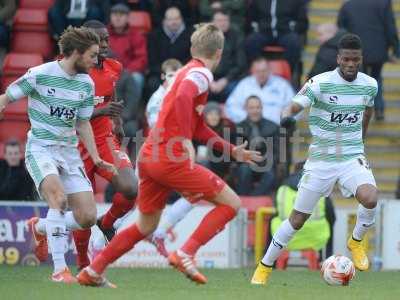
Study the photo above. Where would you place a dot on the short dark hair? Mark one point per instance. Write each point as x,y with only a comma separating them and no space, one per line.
94,24
11,143
350,41
252,97
80,39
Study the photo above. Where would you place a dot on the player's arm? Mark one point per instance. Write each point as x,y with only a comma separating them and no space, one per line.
4,100
85,132
369,111
20,88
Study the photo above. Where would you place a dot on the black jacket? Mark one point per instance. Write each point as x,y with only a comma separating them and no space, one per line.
291,16
325,59
160,49
15,183
233,61
267,129
374,22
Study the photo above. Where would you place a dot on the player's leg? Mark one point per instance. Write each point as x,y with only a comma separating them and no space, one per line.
82,236
151,200
358,179
52,190
51,230
122,242
125,185
304,205
173,215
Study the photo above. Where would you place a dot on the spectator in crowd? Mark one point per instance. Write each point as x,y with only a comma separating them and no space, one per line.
262,135
275,93
233,60
188,9
214,160
7,11
130,48
171,40
75,12
235,8
15,183
143,5
373,21
326,58
168,71
282,23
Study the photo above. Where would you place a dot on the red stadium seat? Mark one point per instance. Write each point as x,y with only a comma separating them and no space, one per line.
281,68
19,63
140,20
252,203
32,42
17,111
13,129
31,20
46,4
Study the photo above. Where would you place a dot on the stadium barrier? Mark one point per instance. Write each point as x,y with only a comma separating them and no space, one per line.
227,250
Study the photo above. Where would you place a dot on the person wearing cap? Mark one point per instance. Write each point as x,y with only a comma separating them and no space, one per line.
129,46
64,13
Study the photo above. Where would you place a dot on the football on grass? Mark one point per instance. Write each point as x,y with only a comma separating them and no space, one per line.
338,270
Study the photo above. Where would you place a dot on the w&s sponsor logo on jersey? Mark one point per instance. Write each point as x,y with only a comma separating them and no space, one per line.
63,112
346,118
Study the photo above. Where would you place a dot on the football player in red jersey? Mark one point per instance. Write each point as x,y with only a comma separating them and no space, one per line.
108,132
166,162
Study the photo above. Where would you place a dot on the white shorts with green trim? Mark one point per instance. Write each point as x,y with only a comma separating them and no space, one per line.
321,177
63,161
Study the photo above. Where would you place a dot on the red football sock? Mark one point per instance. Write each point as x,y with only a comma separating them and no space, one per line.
120,206
119,245
81,239
211,224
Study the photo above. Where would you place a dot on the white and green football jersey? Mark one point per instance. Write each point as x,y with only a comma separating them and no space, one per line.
56,101
336,113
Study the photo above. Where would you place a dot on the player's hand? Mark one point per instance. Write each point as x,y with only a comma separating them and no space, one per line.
113,108
106,166
248,156
288,123
189,149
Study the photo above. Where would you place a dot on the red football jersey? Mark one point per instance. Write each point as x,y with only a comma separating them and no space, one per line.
181,114
105,79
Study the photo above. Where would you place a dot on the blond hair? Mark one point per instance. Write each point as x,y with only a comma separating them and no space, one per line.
80,39
171,64
206,40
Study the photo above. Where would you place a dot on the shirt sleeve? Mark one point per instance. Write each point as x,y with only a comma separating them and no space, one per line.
22,87
308,95
372,92
201,77
86,110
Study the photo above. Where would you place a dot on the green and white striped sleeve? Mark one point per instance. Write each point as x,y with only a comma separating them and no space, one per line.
308,95
87,107
22,87
373,91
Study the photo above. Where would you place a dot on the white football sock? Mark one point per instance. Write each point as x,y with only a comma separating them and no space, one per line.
279,241
70,221
41,226
57,238
365,219
174,214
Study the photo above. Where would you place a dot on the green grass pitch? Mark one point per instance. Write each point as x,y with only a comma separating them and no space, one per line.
31,283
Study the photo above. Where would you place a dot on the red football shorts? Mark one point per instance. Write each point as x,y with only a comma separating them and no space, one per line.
110,151
158,177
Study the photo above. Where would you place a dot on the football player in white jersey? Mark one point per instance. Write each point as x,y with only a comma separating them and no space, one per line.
60,104
341,105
